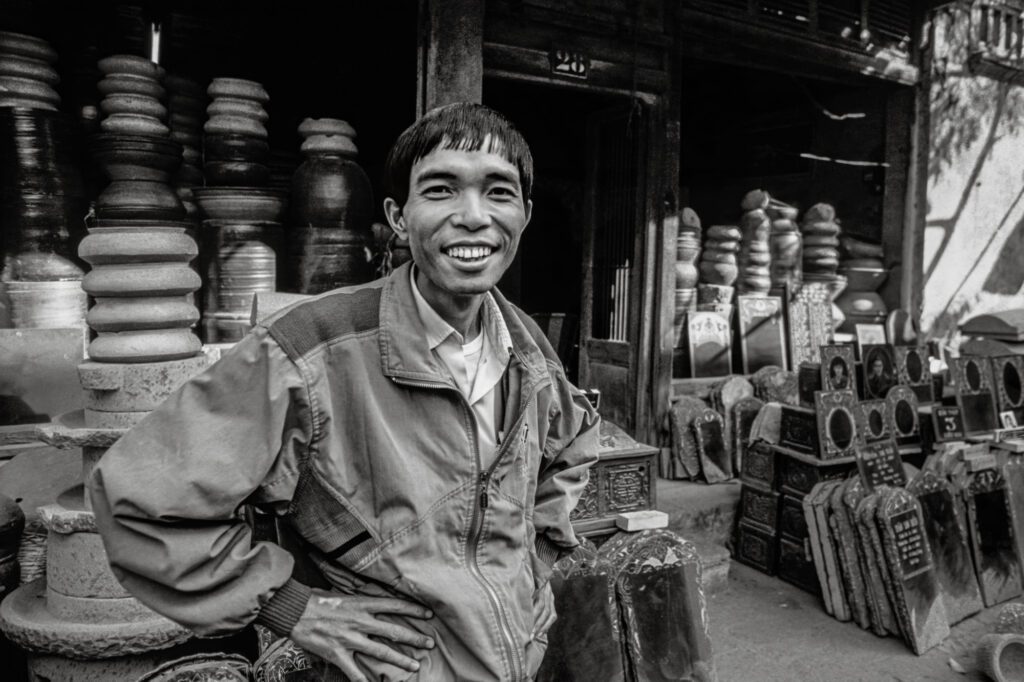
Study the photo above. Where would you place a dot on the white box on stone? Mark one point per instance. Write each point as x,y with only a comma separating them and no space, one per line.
641,520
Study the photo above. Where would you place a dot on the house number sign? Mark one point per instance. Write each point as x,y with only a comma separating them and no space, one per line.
569,63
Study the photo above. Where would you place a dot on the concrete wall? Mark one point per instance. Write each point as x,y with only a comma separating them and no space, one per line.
973,242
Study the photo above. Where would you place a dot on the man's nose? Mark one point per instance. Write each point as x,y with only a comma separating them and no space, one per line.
472,212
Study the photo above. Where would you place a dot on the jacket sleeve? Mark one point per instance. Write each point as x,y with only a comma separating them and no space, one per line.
167,496
569,452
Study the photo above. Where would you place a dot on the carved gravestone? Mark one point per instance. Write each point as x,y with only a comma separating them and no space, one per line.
882,619
684,442
743,415
912,370
838,368
837,423
946,530
715,463
810,322
879,463
586,641
823,549
871,542
845,540
664,613
901,407
873,420
1008,374
990,528
974,394
724,399
919,607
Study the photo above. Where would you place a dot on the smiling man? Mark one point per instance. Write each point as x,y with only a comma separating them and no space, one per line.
416,438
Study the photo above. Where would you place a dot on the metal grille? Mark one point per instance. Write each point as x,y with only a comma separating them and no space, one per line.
615,216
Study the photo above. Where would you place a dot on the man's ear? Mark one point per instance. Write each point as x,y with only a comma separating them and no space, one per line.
394,215
529,212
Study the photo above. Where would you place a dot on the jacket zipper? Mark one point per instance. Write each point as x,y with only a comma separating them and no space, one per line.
480,504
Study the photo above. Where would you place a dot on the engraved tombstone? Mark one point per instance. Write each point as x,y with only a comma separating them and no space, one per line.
1013,473
871,545
761,332
810,321
743,415
715,463
946,530
664,613
901,408
873,420
686,459
879,369
879,609
586,641
710,344
1008,372
848,552
823,550
879,463
918,605
990,528
837,368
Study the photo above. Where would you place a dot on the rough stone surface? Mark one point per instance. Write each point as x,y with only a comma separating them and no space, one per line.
113,420
866,523
136,387
70,431
122,669
776,385
879,610
26,621
742,417
76,565
684,443
715,463
847,550
724,399
90,609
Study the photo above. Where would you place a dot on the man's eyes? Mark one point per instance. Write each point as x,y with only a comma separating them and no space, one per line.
503,192
437,190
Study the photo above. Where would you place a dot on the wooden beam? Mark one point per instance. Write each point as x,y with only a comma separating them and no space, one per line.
450,53
899,119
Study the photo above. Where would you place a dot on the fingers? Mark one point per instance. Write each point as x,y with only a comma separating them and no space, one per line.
347,665
401,635
383,652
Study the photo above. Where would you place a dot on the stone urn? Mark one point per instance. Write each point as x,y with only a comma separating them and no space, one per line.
140,170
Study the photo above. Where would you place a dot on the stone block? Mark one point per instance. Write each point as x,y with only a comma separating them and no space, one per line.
990,528
139,387
76,565
113,420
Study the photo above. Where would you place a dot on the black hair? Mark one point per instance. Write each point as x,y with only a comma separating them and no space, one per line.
464,126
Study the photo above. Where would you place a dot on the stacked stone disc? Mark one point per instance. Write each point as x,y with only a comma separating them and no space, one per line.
186,107
718,268
235,147
42,200
863,266
820,243
242,229
687,275
755,252
79,622
331,211
27,76
786,247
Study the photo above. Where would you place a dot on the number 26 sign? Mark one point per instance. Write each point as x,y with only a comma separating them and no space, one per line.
569,63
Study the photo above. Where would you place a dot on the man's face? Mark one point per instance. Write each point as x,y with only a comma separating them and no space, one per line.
463,218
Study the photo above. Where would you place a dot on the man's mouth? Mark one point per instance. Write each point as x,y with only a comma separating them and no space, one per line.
469,254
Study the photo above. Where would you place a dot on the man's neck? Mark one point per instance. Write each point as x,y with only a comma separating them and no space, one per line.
462,312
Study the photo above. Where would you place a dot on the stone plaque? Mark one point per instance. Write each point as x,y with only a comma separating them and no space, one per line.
664,613
627,487
586,641
845,539
710,344
837,425
946,531
810,322
762,335
877,600
1008,375
1013,474
715,462
823,551
587,507
948,422
760,507
686,458
792,523
919,607
901,408
879,369
838,368
912,370
743,415
874,558
974,395
990,527
759,465
873,420
799,473
879,463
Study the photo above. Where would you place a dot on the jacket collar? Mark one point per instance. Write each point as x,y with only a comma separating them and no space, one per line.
404,349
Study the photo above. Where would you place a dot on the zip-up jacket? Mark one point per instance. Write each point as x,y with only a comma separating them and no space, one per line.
335,416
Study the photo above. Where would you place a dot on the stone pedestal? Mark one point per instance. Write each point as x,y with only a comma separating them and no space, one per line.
78,623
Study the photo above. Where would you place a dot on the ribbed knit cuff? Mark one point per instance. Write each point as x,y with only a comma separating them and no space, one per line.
283,610
549,552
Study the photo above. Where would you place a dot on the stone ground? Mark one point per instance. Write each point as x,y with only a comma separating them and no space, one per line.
765,630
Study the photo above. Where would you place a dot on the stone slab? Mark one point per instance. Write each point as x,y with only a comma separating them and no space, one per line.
27,622
871,540
874,591
849,561
684,442
742,417
946,529
990,528
918,603
715,461
1013,473
69,430
724,398
816,551
111,387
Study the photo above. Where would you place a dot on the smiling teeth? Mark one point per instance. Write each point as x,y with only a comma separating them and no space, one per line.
469,252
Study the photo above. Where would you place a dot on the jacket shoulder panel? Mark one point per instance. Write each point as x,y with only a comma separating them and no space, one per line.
304,326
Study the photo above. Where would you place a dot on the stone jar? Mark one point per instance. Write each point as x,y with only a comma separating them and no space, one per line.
687,252
329,189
